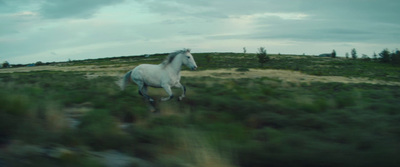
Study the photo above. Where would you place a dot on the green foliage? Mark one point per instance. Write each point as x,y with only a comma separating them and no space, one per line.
208,58
385,56
6,64
365,57
248,122
39,63
333,54
262,56
396,57
100,131
354,53
12,110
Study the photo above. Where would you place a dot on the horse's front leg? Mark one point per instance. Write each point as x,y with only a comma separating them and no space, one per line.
167,88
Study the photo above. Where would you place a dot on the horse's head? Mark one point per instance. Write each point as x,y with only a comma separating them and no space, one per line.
188,60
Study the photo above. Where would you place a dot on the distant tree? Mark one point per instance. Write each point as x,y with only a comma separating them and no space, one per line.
39,63
244,50
6,64
347,55
374,56
19,65
365,57
262,56
396,57
333,55
384,56
353,53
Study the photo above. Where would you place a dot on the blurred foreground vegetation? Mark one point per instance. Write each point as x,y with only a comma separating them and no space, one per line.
52,118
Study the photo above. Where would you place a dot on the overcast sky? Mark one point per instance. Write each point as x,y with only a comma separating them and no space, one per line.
59,30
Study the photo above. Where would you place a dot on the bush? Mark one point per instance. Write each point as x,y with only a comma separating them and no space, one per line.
39,63
333,54
13,111
385,56
353,53
6,64
262,56
99,130
396,57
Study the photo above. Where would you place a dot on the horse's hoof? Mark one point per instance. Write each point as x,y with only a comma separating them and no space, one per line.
152,102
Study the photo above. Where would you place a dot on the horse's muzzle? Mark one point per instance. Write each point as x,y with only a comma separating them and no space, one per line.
194,68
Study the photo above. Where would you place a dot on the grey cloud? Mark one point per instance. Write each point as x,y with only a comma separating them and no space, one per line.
10,6
328,20
318,31
382,10
183,8
55,9
13,24
6,6
7,26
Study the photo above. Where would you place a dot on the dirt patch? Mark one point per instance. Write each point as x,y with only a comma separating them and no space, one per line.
87,68
92,71
284,75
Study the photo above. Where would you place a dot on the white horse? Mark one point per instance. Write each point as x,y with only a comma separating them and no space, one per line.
164,75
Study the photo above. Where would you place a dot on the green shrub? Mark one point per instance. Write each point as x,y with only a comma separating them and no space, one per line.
262,56
99,130
14,110
344,99
16,105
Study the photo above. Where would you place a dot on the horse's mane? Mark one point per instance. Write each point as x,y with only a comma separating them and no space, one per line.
172,56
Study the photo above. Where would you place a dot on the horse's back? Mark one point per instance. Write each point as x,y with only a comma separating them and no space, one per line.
150,74
146,69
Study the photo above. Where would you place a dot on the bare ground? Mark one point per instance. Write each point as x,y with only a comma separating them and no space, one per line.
284,75
93,71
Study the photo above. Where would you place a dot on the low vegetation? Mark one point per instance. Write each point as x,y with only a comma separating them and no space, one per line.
221,122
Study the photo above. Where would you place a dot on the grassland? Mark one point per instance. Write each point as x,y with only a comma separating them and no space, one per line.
293,111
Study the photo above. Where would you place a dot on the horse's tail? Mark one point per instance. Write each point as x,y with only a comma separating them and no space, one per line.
126,80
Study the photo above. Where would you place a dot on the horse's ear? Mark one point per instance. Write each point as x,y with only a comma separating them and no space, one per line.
187,50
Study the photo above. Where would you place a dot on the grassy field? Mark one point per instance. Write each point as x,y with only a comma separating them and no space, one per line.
73,114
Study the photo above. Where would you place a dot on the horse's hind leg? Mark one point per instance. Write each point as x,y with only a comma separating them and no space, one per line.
143,91
146,96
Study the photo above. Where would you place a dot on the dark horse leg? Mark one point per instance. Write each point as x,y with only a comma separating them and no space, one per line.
152,104
183,91
143,92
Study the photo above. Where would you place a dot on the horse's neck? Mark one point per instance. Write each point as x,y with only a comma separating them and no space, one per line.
176,65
